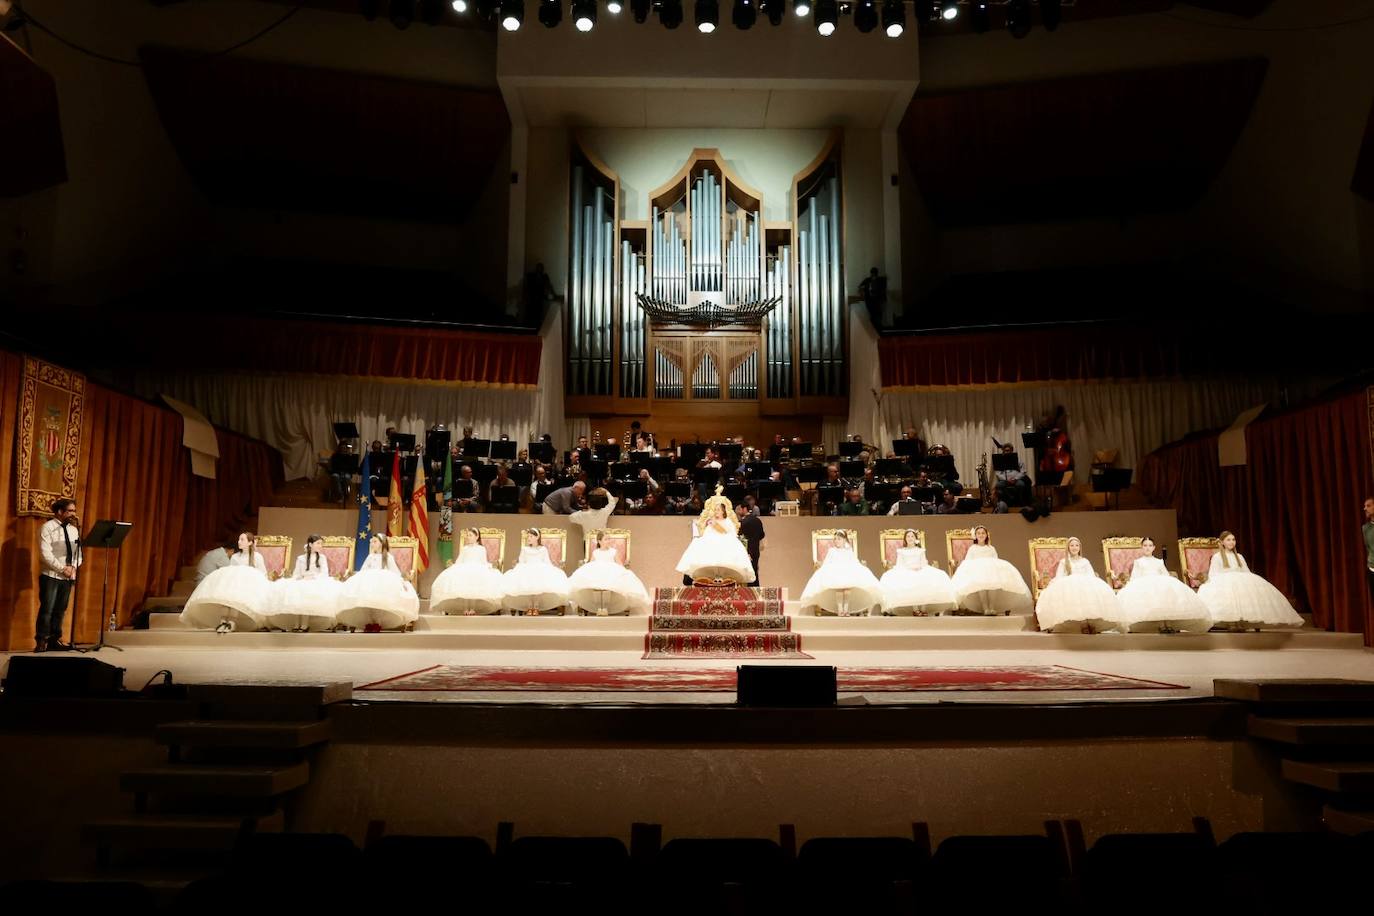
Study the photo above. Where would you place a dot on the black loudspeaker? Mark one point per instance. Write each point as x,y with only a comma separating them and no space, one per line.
31,676
785,685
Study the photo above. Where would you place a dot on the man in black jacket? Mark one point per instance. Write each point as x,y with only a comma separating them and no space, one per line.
751,530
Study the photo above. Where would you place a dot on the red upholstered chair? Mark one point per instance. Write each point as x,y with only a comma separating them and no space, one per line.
275,550
617,539
555,541
1195,558
338,554
822,538
403,549
1045,554
494,539
957,543
890,540
1117,556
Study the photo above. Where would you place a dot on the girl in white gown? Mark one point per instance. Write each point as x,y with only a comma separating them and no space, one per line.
842,585
912,585
986,584
1076,600
715,551
1238,598
233,597
1154,601
602,586
534,585
309,599
377,597
471,586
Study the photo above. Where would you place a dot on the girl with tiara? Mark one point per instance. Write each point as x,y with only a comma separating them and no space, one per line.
534,585
471,586
842,585
1152,600
715,551
601,586
1239,599
309,599
986,584
377,597
233,597
912,585
1076,601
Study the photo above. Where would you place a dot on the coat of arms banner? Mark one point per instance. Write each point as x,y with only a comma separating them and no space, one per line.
50,406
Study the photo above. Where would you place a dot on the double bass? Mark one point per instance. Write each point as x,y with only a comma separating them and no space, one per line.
1056,456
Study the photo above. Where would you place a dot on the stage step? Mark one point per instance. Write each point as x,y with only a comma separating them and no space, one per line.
182,589
188,573
1315,690
172,602
173,832
1350,823
1336,776
281,693
247,781
716,622
1313,731
238,734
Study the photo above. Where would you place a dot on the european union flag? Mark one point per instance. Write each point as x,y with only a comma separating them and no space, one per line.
364,538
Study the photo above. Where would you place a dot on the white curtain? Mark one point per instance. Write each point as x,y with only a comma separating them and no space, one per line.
865,384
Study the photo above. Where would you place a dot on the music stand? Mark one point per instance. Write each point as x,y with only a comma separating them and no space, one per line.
941,467
1110,481
475,448
850,449
596,472
909,448
105,534
708,476
911,507
503,450
735,493
1033,440
768,492
542,451
344,464
851,469
663,467
689,453
346,431
1003,461
607,452
437,442
678,489
800,451
634,489
891,467
758,470
730,453
403,442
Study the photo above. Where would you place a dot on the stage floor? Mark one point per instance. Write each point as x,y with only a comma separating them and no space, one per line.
1188,662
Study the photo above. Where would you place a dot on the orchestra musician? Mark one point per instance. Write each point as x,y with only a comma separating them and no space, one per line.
905,497
1013,488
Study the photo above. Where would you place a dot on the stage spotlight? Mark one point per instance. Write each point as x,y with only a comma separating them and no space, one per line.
801,7
512,14
743,15
460,6
584,15
826,13
550,13
670,13
707,15
773,10
1018,18
949,10
894,18
1051,14
640,10
402,13
613,7
865,16
979,17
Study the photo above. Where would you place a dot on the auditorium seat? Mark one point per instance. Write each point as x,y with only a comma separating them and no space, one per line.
998,873
1151,873
694,875
1290,872
432,867
292,871
860,874
306,850
582,873
71,896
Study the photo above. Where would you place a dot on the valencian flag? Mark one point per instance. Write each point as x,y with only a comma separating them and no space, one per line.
419,518
364,538
446,515
395,521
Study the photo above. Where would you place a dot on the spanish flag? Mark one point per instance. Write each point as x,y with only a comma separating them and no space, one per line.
419,518
395,522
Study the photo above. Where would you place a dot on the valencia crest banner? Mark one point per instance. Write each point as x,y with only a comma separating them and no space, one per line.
50,415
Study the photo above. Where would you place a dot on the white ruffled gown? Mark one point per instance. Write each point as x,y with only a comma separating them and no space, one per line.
308,600
378,594
534,582
601,582
841,581
238,593
1241,599
1152,599
913,586
717,555
470,585
986,584
1076,598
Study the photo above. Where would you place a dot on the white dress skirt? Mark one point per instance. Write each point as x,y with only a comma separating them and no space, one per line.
1237,597
1152,599
986,584
913,586
842,583
1076,598
380,595
238,593
470,586
308,600
717,555
602,583
534,582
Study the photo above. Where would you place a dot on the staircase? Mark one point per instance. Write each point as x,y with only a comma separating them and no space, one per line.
228,774
725,621
1324,729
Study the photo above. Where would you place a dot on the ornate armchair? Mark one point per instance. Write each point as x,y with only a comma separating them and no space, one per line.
1045,554
1195,559
890,541
404,548
494,540
1117,556
957,543
338,551
617,539
823,538
275,550
555,541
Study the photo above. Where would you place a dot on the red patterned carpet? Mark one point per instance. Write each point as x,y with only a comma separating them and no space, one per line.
454,678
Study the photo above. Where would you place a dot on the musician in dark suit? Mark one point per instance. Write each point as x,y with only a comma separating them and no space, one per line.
751,531
467,494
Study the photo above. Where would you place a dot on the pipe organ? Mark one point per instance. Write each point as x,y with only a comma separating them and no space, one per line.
705,299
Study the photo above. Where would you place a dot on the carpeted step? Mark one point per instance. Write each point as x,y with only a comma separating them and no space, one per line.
713,622
1335,776
254,735
733,600
1313,731
723,644
254,781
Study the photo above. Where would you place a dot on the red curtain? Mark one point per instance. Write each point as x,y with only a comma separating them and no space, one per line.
226,342
134,468
1295,506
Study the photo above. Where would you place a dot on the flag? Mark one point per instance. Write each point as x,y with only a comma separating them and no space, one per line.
446,514
419,518
360,549
395,521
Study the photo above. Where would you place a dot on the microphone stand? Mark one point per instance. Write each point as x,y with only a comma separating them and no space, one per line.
104,535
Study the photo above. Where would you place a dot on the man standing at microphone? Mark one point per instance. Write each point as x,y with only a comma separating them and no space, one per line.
59,544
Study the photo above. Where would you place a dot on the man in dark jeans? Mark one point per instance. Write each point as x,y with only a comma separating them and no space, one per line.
751,532
59,545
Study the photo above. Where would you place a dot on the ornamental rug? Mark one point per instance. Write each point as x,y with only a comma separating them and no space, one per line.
718,600
455,678
749,643
719,622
